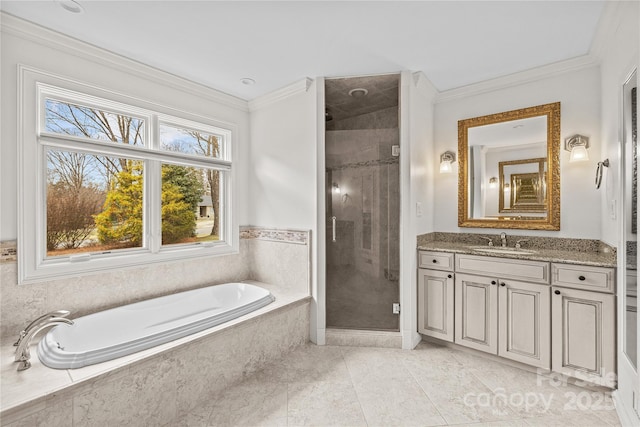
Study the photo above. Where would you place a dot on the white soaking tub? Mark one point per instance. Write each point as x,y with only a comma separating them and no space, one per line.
131,328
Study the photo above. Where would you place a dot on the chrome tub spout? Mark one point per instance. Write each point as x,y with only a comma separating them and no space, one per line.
22,352
40,320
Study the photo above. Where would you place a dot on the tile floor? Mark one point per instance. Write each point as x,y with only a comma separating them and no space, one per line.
429,386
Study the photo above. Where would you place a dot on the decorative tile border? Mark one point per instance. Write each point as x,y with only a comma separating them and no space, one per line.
8,251
300,237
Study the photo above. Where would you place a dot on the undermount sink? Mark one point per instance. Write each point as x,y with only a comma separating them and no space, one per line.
501,250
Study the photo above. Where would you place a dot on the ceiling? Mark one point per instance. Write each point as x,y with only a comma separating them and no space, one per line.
376,93
218,43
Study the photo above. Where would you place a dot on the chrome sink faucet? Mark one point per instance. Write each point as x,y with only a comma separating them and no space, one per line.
22,352
503,239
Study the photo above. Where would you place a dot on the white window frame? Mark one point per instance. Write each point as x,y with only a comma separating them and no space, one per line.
34,87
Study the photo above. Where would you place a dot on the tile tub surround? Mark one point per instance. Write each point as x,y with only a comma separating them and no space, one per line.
158,385
285,261
564,250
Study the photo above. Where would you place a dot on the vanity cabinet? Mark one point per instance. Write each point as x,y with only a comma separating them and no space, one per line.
583,338
553,316
524,313
476,312
503,316
435,295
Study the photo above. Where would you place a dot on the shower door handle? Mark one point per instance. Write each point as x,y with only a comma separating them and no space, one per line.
333,228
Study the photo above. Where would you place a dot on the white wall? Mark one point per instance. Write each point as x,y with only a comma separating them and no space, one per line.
579,95
416,142
618,58
282,171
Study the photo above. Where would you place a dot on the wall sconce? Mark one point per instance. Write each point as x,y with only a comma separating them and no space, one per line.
578,145
446,159
335,188
493,182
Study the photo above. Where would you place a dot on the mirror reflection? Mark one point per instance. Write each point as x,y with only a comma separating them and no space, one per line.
507,164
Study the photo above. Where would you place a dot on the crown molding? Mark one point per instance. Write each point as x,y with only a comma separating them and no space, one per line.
26,30
280,94
520,78
424,85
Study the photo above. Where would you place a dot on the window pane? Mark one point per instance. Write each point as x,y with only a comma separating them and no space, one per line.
76,120
190,204
190,141
94,203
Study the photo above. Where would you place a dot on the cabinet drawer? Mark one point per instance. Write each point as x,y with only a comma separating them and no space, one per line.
504,268
582,277
435,260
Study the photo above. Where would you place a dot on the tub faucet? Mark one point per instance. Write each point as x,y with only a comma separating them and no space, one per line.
22,352
503,239
42,319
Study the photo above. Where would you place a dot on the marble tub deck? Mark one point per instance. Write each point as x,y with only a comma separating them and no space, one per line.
30,390
429,386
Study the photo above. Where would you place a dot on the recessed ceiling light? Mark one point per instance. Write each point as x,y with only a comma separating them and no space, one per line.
358,92
70,6
247,81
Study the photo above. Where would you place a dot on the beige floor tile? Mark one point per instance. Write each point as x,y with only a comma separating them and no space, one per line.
251,403
365,363
505,423
458,395
431,385
577,419
394,402
315,363
324,404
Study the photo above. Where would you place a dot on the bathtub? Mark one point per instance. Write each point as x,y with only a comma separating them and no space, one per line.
131,328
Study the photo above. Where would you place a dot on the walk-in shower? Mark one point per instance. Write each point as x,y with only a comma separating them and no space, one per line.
362,202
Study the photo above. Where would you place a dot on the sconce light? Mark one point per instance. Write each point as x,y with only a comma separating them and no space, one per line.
336,188
446,159
506,185
578,145
493,182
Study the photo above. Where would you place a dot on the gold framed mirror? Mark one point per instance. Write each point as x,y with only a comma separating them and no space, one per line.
521,147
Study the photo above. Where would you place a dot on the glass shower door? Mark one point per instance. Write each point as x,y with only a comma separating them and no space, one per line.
363,199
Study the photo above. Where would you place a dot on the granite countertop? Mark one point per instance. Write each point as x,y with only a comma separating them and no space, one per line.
567,251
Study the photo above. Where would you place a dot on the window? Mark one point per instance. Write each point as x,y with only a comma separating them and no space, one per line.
117,183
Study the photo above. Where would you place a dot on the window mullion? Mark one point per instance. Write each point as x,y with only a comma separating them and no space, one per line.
153,207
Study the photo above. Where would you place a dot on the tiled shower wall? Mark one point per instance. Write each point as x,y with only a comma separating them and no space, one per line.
273,256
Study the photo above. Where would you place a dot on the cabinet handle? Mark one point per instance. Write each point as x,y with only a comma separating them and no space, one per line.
449,276
581,278
493,282
503,284
434,261
556,292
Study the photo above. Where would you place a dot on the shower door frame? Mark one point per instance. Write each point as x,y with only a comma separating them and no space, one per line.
407,280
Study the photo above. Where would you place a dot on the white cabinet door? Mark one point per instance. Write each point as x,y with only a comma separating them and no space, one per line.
435,303
583,336
525,322
476,317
